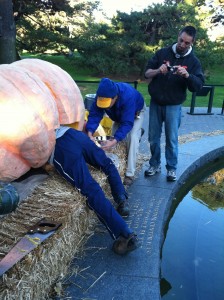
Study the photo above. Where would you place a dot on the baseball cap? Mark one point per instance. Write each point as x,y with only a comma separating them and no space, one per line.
106,91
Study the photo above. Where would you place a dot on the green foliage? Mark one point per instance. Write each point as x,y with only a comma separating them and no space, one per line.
111,49
79,73
50,25
124,46
119,48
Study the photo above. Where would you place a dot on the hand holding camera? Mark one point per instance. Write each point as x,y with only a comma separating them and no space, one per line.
172,69
179,70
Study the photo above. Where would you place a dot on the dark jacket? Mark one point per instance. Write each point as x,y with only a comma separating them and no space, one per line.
129,102
171,89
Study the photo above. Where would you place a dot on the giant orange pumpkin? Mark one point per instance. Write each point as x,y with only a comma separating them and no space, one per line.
63,88
30,111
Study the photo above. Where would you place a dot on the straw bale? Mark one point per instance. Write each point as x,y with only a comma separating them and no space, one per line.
33,276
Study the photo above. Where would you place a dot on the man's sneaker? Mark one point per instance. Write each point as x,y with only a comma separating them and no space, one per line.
171,175
124,245
152,170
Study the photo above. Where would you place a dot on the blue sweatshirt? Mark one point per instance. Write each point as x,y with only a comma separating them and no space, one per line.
124,111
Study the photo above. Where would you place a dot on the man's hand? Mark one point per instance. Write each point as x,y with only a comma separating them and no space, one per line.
163,68
108,145
150,73
90,135
182,71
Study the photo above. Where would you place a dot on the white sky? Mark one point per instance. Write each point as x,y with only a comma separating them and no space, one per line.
111,6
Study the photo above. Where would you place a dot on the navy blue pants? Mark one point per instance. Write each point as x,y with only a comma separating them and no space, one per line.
72,153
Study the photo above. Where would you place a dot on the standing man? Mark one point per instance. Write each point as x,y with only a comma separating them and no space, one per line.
125,106
171,72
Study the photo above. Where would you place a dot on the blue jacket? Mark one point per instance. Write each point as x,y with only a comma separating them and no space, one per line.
124,111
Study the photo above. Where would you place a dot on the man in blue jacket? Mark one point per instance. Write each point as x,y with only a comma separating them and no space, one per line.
73,150
171,71
125,106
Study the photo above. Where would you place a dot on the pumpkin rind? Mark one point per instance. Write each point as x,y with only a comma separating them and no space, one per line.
28,118
63,88
35,98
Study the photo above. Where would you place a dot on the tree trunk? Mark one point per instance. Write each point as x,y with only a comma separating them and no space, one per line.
7,33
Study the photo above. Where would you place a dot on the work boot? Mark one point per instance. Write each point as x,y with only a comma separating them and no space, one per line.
124,245
128,180
123,209
123,206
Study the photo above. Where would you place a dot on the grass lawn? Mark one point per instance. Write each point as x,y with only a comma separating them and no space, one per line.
78,74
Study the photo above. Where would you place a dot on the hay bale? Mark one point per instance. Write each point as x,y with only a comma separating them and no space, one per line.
33,276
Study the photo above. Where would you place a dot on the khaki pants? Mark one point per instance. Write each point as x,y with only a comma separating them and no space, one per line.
132,142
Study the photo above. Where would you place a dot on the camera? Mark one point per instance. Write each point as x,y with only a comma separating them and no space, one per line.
172,69
101,140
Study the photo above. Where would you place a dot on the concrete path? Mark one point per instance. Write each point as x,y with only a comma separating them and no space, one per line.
104,275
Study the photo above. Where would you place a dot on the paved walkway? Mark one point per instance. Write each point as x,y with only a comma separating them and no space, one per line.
103,275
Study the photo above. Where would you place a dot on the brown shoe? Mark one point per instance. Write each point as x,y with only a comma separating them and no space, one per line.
128,180
124,245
